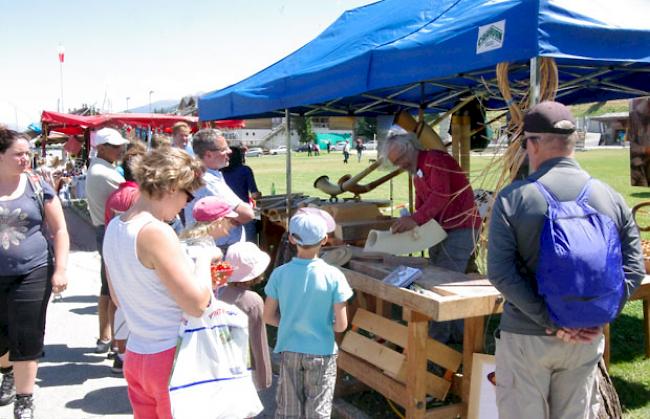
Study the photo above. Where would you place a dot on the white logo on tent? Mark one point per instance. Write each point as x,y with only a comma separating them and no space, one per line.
490,36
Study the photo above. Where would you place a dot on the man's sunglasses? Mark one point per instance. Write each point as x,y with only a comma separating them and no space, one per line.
524,140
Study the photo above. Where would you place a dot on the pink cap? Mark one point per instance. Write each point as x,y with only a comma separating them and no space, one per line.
212,208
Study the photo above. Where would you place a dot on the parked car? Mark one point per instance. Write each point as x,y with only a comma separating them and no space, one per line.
278,150
254,152
370,145
302,148
339,146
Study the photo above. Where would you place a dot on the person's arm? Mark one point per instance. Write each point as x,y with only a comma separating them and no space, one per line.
244,213
503,273
57,228
159,249
271,312
633,265
259,343
340,317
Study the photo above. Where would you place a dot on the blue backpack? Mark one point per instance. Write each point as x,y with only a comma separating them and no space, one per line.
580,266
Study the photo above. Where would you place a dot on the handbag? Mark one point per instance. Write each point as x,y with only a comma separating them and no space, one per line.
211,376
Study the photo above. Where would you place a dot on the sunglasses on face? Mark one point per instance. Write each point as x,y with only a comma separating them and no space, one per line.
524,140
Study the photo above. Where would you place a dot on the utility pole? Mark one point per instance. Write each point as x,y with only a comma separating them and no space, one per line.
150,93
61,52
127,103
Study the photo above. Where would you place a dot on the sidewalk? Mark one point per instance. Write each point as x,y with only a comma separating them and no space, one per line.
74,382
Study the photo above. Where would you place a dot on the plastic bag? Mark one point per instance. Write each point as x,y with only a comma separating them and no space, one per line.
211,376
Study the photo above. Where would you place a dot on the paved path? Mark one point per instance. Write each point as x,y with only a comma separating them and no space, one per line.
74,382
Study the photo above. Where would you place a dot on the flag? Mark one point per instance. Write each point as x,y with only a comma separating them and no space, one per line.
61,52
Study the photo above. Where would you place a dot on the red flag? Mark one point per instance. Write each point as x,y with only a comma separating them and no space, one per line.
61,51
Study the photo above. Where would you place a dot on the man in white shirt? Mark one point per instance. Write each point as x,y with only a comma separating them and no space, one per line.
181,136
101,180
211,147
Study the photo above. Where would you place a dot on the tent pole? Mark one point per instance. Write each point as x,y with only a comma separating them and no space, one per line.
534,81
288,164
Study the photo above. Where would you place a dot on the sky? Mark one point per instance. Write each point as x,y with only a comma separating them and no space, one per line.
126,48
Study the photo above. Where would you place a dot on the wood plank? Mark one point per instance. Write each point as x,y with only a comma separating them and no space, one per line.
375,270
462,307
643,291
401,296
416,366
472,342
372,377
373,352
392,331
451,411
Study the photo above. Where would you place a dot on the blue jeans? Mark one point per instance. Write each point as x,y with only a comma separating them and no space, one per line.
452,253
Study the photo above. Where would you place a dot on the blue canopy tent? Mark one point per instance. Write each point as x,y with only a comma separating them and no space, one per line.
398,54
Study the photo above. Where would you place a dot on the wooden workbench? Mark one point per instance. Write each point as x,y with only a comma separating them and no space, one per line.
371,352
371,355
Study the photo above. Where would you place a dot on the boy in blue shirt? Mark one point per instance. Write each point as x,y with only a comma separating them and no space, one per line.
306,300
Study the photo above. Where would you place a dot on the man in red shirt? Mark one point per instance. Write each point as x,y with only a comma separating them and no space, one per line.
442,193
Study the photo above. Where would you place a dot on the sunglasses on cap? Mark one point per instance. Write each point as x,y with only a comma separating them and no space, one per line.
524,140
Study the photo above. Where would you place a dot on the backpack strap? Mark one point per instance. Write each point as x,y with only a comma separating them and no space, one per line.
551,199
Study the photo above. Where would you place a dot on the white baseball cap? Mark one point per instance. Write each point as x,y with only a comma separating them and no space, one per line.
310,226
248,261
109,136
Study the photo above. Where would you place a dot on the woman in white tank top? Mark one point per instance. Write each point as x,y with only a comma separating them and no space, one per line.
150,277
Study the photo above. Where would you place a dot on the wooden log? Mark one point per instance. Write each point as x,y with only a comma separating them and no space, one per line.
610,404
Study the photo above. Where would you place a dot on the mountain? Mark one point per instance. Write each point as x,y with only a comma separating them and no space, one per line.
167,105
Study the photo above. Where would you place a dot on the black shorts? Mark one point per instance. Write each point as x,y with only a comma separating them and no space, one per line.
23,306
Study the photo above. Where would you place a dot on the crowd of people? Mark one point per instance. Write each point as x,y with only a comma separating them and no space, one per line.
182,206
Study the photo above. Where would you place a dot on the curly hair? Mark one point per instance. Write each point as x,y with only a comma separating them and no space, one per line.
166,170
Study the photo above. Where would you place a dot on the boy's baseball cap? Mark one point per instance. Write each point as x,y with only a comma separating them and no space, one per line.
248,261
211,208
109,136
310,225
543,118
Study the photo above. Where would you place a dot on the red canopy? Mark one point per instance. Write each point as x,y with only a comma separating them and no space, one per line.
77,124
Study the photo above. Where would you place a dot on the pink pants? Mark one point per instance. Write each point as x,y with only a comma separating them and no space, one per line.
147,377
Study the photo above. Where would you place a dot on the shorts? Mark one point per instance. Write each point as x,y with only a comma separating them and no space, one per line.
306,386
99,236
23,306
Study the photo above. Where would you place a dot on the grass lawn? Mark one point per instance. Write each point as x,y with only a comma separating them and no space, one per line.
629,370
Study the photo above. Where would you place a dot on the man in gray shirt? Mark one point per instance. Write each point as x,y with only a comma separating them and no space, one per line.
101,180
543,371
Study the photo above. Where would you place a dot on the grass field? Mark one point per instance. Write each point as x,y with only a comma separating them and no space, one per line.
629,370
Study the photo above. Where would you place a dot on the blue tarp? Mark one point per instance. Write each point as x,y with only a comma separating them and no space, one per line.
382,50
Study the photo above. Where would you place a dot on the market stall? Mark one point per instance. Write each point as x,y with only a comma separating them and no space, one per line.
422,56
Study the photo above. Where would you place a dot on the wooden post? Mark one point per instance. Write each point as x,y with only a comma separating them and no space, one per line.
472,342
646,326
416,363
456,135
465,143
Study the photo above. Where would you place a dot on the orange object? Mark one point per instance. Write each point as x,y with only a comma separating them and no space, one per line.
220,272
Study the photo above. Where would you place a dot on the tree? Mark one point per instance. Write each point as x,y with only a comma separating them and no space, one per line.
302,125
366,127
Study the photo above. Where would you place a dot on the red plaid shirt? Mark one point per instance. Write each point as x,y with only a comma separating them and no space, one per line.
442,192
